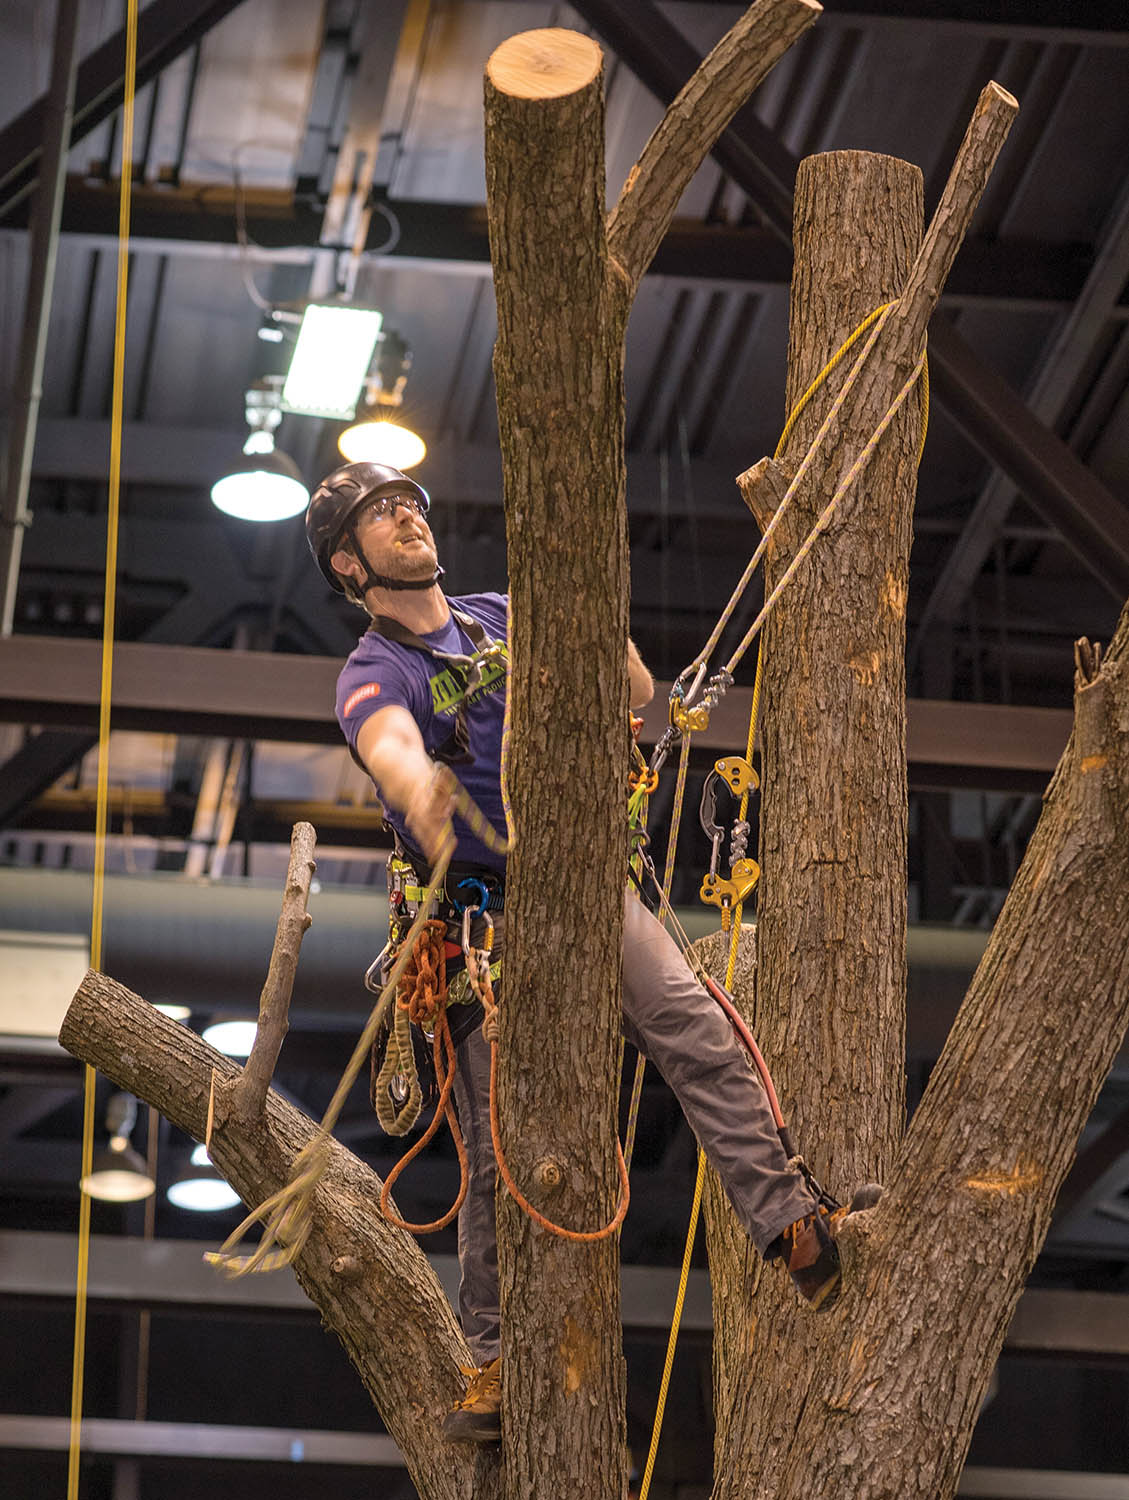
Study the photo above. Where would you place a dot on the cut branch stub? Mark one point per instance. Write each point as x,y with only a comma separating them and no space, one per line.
546,64
249,1091
983,140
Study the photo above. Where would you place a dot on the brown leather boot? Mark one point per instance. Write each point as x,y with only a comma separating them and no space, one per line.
477,1418
809,1251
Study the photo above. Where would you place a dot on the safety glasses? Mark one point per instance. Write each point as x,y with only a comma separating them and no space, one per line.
385,505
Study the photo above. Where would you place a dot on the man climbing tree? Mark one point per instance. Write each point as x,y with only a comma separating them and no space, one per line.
424,692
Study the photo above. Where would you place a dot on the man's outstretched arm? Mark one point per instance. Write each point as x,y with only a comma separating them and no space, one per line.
409,781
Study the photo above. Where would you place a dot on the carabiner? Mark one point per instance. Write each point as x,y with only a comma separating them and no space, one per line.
679,692
375,987
483,896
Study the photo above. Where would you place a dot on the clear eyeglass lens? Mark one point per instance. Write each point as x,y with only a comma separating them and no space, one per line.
383,505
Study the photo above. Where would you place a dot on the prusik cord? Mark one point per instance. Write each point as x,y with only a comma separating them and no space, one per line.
102,795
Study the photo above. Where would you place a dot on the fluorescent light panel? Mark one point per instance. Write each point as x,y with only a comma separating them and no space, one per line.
330,361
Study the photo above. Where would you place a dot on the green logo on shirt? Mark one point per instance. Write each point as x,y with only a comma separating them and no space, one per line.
447,688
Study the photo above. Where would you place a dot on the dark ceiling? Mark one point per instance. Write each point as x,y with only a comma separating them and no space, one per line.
266,130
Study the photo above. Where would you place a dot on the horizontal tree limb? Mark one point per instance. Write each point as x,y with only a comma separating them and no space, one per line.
372,1283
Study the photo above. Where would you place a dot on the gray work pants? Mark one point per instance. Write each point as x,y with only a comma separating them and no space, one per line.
680,1028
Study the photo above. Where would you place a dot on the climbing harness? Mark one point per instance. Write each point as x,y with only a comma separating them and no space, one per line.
470,673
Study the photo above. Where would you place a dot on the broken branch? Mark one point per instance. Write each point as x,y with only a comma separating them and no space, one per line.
687,132
249,1092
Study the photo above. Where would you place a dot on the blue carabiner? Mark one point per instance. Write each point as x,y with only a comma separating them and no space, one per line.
483,897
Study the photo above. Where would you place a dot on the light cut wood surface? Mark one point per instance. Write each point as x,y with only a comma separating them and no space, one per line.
544,64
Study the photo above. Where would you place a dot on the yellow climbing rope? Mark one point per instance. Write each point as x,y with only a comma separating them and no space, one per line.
102,795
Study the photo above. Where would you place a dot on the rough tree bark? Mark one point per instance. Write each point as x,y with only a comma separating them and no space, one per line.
830,992
372,1283
878,1397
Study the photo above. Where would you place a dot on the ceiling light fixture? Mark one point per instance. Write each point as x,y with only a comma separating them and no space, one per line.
376,438
382,442
331,360
118,1174
201,1190
264,483
235,1038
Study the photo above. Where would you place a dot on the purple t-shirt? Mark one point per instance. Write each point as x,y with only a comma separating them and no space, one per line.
380,672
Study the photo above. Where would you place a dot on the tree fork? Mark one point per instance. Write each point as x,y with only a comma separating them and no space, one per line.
972,1193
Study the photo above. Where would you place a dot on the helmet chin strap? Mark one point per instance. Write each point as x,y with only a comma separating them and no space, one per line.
378,580
382,581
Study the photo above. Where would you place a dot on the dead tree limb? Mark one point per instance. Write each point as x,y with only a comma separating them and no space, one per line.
687,132
249,1091
371,1283
563,302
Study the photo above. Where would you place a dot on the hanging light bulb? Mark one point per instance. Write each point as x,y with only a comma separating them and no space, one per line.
202,1190
382,442
118,1174
376,438
264,483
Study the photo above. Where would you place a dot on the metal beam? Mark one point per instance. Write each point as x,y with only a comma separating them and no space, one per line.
164,1273
194,690
104,1437
200,218
986,408
37,765
1063,364
1103,1167
166,28
46,212
1102,20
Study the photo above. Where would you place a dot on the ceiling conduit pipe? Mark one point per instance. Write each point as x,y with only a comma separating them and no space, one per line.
43,245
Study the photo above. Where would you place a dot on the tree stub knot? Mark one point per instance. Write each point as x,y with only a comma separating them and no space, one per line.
347,1267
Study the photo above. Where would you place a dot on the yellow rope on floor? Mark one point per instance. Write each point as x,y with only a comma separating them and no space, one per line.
102,796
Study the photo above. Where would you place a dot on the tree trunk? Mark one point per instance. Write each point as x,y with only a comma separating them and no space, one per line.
558,369
830,987
563,300
943,1259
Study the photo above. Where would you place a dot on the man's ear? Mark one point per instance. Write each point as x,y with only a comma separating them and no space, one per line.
345,563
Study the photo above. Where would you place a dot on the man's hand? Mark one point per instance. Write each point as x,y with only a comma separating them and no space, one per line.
429,811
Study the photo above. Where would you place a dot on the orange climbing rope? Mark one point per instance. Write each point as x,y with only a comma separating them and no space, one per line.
478,968
423,995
